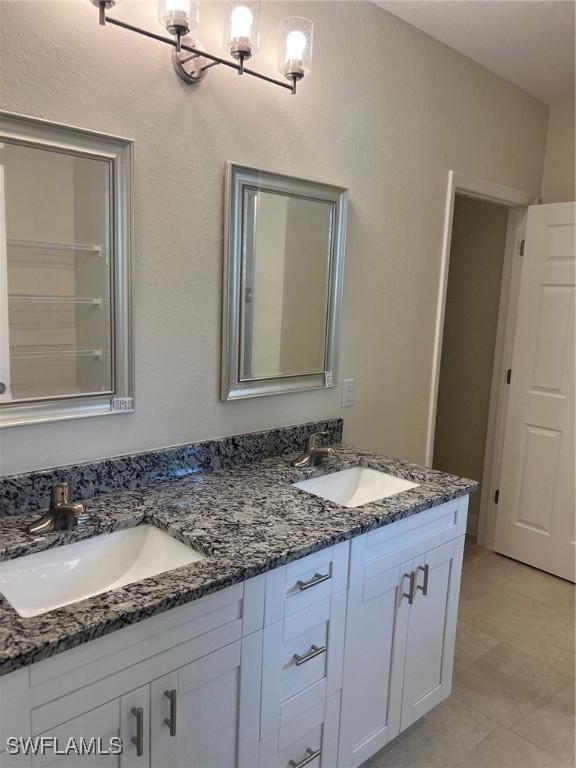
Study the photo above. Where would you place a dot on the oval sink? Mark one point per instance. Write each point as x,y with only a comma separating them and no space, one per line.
38,583
356,486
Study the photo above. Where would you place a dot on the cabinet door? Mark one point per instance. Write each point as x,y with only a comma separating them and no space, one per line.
374,654
431,630
101,724
135,728
210,717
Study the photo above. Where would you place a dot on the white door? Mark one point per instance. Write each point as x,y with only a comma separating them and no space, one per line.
431,630
374,658
95,732
206,714
535,518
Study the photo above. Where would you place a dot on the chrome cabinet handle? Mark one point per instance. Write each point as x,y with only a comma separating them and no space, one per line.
172,696
310,755
315,650
424,587
138,740
412,591
318,578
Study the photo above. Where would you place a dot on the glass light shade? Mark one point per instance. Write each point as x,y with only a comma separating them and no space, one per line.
107,3
178,15
241,36
295,47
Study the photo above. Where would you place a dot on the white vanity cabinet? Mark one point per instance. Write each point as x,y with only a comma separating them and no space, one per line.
179,689
317,663
401,625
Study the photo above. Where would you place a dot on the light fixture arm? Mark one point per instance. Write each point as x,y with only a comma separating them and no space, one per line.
179,46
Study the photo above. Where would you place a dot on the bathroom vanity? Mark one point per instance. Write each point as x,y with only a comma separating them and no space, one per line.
308,633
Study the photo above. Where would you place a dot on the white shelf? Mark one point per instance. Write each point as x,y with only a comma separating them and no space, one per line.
48,245
21,298
30,352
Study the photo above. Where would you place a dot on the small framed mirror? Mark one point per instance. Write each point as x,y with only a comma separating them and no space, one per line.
283,266
65,276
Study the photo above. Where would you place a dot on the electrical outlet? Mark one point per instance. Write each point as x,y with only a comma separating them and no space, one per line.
347,393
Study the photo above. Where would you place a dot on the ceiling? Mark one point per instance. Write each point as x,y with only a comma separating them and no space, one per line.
528,42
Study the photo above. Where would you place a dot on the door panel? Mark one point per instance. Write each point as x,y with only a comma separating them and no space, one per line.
431,631
101,723
535,522
209,693
135,724
374,659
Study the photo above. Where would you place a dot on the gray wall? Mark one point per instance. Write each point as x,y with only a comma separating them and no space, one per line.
559,164
386,112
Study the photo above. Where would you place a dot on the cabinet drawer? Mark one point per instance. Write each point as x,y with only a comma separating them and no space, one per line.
311,739
391,545
302,660
292,588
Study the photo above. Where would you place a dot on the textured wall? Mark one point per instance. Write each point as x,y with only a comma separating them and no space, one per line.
386,112
558,181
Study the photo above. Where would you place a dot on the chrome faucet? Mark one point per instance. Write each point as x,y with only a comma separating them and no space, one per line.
62,515
313,453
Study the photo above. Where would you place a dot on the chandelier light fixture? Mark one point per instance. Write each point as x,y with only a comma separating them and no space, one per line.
241,40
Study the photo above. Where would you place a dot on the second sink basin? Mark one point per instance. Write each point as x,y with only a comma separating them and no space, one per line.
43,581
356,486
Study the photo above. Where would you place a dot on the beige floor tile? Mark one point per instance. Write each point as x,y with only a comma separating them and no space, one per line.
551,726
504,749
447,733
528,581
540,629
471,643
472,550
506,684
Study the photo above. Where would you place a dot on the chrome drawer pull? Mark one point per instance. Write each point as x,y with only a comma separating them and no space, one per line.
424,587
315,650
172,696
310,755
318,578
138,740
412,591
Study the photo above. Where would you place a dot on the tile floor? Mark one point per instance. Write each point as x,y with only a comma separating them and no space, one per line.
512,702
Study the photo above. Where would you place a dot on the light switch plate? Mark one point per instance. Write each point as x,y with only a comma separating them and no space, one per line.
347,393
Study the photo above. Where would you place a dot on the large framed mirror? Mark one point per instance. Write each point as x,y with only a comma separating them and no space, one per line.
283,266
65,272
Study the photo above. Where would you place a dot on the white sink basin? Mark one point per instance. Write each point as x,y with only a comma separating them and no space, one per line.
356,486
41,582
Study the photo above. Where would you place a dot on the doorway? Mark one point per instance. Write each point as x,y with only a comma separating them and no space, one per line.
468,347
477,301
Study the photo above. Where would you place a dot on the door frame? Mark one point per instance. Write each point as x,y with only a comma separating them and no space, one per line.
517,201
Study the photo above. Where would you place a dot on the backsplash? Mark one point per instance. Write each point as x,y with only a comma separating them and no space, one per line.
30,492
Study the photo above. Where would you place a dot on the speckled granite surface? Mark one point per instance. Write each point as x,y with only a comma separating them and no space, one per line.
247,519
29,492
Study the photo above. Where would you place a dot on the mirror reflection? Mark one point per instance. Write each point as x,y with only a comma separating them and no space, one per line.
285,284
55,284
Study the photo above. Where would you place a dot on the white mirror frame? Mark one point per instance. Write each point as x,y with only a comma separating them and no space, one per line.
118,153
238,178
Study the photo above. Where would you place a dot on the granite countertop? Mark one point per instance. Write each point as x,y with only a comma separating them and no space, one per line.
246,519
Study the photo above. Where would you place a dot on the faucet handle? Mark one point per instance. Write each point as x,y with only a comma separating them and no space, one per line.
312,440
60,494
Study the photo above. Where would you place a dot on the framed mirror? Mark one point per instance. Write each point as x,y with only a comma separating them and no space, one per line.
283,266
65,274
